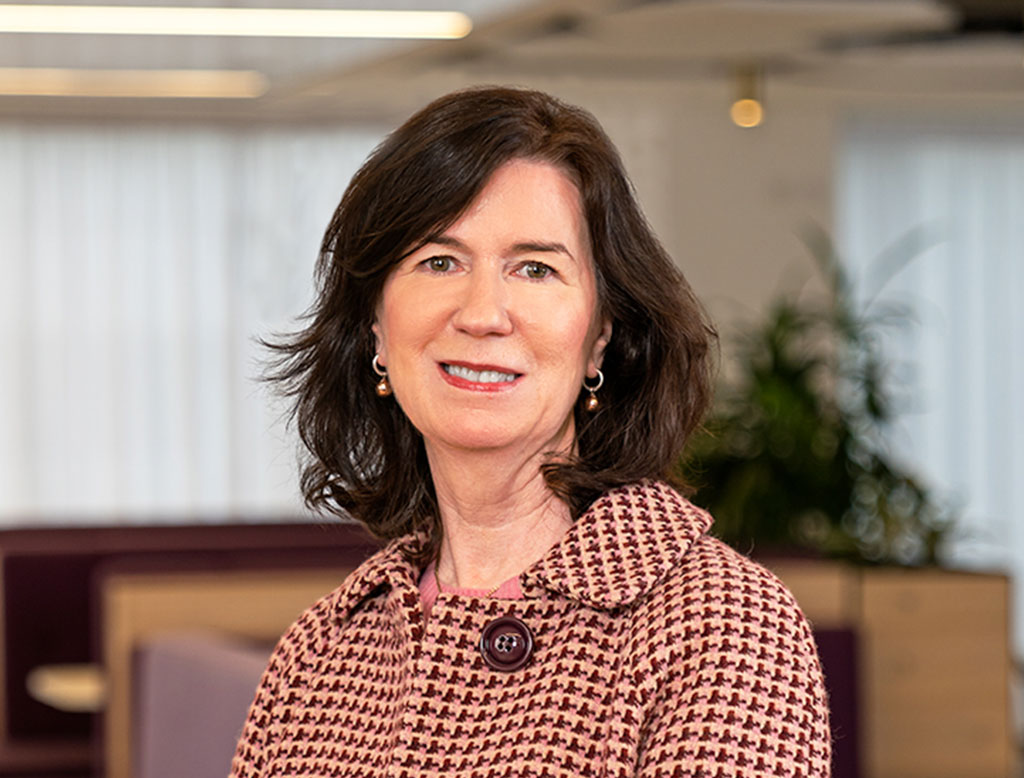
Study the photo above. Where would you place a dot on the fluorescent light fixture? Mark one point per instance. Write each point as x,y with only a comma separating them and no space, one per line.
59,82
259,22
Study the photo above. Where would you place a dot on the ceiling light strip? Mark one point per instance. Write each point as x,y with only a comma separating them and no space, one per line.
255,22
61,82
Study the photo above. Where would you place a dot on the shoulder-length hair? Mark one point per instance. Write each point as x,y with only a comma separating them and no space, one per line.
365,459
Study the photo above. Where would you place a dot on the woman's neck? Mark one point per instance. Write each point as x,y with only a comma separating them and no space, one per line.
499,517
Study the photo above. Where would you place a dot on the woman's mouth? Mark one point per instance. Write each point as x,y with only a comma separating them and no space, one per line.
479,376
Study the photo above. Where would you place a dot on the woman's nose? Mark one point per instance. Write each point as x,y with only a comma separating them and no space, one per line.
483,307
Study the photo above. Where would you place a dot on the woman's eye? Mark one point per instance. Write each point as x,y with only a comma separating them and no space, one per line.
439,264
536,270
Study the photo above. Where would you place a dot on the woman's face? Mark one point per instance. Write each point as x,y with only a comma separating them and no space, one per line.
488,330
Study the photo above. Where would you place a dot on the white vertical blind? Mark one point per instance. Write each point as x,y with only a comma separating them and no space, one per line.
960,366
137,266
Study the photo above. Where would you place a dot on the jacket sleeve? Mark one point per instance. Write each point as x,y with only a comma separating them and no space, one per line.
249,759
739,689
275,696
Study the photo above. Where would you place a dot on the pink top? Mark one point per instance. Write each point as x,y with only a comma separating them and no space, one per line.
430,587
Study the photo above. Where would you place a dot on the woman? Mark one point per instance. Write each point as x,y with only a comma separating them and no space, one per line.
501,363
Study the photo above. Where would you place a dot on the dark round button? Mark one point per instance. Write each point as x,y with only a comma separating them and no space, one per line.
506,644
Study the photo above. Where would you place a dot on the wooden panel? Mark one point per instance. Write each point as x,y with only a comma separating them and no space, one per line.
936,675
828,593
249,604
933,600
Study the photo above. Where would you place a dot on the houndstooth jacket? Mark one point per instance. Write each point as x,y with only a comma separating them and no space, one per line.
658,651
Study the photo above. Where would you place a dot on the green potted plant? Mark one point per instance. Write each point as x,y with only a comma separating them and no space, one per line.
792,457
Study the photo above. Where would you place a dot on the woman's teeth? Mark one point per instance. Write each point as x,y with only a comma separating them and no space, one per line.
479,376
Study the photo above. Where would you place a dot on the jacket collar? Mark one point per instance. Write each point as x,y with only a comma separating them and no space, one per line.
626,543
617,551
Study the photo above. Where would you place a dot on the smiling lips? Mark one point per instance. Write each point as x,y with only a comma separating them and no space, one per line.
484,378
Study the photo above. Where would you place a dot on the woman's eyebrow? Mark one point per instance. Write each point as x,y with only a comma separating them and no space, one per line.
529,247
522,247
445,240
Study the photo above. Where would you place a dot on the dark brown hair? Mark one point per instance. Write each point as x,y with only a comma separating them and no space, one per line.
365,457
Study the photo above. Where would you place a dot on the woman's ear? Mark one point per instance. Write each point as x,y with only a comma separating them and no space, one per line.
378,343
600,344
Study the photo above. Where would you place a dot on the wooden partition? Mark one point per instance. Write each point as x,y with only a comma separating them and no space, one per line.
248,604
934,665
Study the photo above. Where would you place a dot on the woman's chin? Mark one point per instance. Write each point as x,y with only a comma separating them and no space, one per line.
475,439
489,435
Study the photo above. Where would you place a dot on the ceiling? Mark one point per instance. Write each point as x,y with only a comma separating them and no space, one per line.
873,45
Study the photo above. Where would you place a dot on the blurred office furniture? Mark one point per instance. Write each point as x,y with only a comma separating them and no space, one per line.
933,666
53,585
141,613
917,659
174,737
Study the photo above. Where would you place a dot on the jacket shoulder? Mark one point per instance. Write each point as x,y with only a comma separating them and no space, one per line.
716,593
729,664
315,628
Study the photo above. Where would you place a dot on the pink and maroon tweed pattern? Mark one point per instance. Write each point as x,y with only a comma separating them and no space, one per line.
658,651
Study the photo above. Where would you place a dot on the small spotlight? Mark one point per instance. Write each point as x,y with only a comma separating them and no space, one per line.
747,111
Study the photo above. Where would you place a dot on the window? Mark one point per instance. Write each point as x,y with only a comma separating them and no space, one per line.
138,266
959,365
